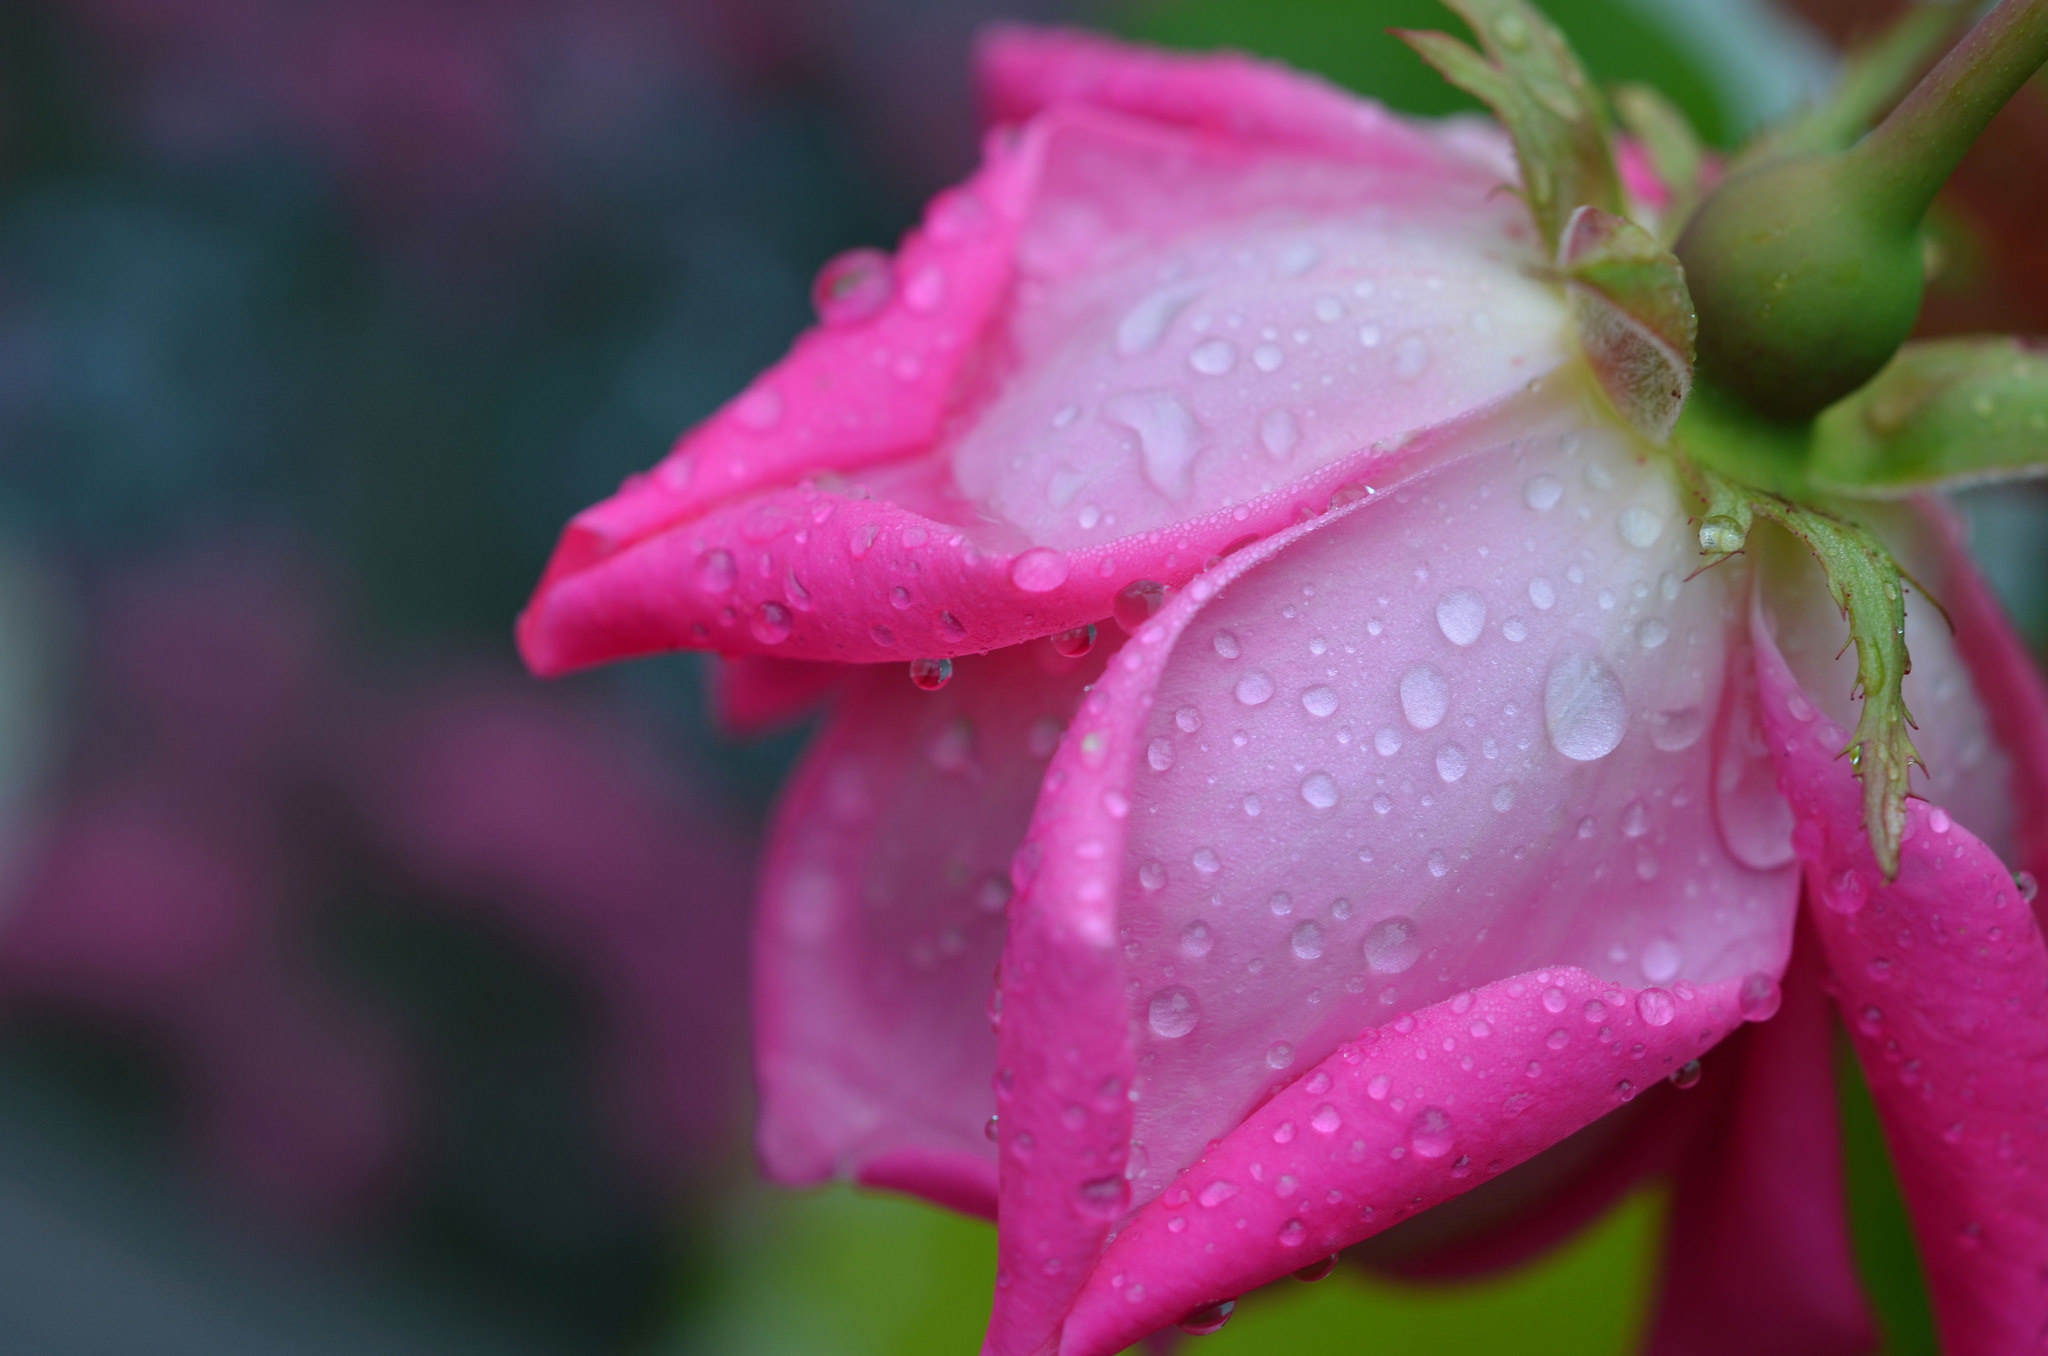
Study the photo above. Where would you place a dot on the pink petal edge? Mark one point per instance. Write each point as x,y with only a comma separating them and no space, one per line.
1943,979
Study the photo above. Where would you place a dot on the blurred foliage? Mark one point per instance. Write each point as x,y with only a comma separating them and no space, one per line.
1885,1252
1347,41
857,1274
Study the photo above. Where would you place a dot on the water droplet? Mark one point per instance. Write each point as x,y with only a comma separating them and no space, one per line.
1554,1000
1279,433
1388,741
1326,1121
925,290
1845,892
715,572
1542,492
1425,696
853,287
1279,1056
771,624
1431,1134
1255,688
1075,643
1268,357
1676,731
1319,701
1639,527
1652,633
1207,1319
1173,1012
1206,861
1451,762
1168,437
1146,323
1687,1075
1759,997
1656,1006
1137,602
1461,616
1188,719
1319,789
1391,945
1213,357
1160,754
1542,594
1504,797
1721,535
929,675
1411,356
1307,941
1104,1198
1584,709
1661,958
1226,645
2028,887
1039,570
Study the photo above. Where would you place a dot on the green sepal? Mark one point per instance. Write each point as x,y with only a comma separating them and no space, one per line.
1635,319
1943,413
1536,87
1866,583
1675,150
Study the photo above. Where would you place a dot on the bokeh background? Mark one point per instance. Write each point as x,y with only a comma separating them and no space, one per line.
359,994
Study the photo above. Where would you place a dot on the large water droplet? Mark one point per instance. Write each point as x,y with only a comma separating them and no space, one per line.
1075,643
1307,941
1104,1198
1675,731
1657,1007
1461,616
1039,570
1206,1319
929,675
1173,1012
853,287
1451,762
1279,433
771,624
1432,1134
1661,958
1168,437
1542,492
1425,696
1255,688
1146,323
714,571
1319,701
1584,708
1639,527
1391,945
1136,603
1196,940
1759,997
1160,754
1319,789
1213,357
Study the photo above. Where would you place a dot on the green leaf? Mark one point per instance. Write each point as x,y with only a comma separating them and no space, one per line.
1535,86
1943,413
1867,585
1675,152
1634,316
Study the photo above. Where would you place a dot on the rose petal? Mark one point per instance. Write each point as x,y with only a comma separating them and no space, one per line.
882,916
1024,70
1412,1114
1354,770
758,694
1759,1257
1202,339
1943,979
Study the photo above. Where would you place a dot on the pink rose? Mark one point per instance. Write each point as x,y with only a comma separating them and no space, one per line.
1437,805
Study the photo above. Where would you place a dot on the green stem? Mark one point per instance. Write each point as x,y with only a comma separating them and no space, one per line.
1873,80
1913,152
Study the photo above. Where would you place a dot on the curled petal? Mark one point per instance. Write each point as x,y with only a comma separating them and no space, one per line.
882,916
1758,1258
1091,371
1386,1127
1943,979
1356,770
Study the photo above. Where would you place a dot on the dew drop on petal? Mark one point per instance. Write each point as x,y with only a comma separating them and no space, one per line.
1173,1012
1425,696
1391,945
1039,570
1656,1006
1759,997
771,624
853,287
1279,432
1137,602
1307,941
1075,643
1451,762
1255,688
1431,1134
1319,701
1319,789
1584,709
1160,754
1541,492
929,675
715,572
1461,616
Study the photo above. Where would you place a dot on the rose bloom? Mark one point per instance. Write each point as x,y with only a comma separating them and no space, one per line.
1419,801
